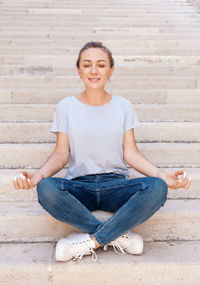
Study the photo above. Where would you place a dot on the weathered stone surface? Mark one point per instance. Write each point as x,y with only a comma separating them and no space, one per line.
22,264
176,220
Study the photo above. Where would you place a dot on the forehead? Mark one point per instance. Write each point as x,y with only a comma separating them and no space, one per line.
94,54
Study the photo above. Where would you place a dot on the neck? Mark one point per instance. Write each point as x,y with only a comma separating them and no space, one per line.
95,96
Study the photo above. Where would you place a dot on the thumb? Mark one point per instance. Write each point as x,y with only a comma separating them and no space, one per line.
24,173
179,172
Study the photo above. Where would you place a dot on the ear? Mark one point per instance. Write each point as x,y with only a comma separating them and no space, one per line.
112,70
79,73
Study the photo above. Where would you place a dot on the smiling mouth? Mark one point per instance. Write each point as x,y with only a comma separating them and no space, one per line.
94,79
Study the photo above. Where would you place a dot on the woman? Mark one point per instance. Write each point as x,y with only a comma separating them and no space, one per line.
96,130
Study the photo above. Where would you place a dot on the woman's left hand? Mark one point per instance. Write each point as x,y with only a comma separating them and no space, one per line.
173,181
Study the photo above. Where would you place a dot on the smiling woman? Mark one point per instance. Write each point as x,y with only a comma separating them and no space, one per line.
95,66
95,131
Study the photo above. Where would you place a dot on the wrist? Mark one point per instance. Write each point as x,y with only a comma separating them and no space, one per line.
42,174
159,172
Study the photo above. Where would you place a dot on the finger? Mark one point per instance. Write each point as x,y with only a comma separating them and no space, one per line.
179,172
20,182
30,183
24,173
187,179
26,185
174,187
184,181
188,183
178,184
21,179
15,183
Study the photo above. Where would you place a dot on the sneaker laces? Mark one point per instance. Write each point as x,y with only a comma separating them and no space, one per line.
81,247
117,246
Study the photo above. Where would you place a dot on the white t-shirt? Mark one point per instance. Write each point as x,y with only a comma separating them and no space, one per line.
95,134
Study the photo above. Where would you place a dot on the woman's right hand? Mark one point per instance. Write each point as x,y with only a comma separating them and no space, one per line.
27,180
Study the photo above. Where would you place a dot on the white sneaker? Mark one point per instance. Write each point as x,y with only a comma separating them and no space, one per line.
130,242
75,245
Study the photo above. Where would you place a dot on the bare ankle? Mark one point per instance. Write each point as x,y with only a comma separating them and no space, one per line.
96,242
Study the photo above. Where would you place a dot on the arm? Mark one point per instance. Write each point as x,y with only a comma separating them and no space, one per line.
140,163
58,159
134,158
55,162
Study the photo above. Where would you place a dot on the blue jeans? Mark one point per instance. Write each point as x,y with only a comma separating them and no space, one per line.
132,201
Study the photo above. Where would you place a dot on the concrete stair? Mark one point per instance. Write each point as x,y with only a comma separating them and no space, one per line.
155,45
161,263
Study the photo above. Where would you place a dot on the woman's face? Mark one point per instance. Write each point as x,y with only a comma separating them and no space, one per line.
94,68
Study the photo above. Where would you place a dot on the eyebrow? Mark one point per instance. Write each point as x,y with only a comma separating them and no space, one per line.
97,60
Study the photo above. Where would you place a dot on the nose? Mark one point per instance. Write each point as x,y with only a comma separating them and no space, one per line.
93,69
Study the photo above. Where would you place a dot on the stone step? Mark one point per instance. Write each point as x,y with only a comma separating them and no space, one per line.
137,96
153,30
150,21
77,9
122,5
126,12
67,51
101,31
160,154
93,10
116,81
8,192
138,20
95,36
113,44
150,112
125,61
23,2
160,263
170,222
160,132
97,5
52,70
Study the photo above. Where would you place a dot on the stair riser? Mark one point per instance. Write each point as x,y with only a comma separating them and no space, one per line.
85,36
113,44
160,113
140,96
160,132
136,82
119,71
126,61
64,51
28,263
160,154
38,225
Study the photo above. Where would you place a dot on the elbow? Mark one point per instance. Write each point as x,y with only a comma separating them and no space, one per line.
65,159
62,157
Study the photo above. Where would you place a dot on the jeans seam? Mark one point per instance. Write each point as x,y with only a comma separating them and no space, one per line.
62,185
143,186
123,185
111,218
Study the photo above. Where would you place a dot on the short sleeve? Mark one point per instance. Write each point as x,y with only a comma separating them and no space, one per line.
60,123
131,120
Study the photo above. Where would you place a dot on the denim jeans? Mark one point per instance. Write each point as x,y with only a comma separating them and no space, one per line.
132,201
